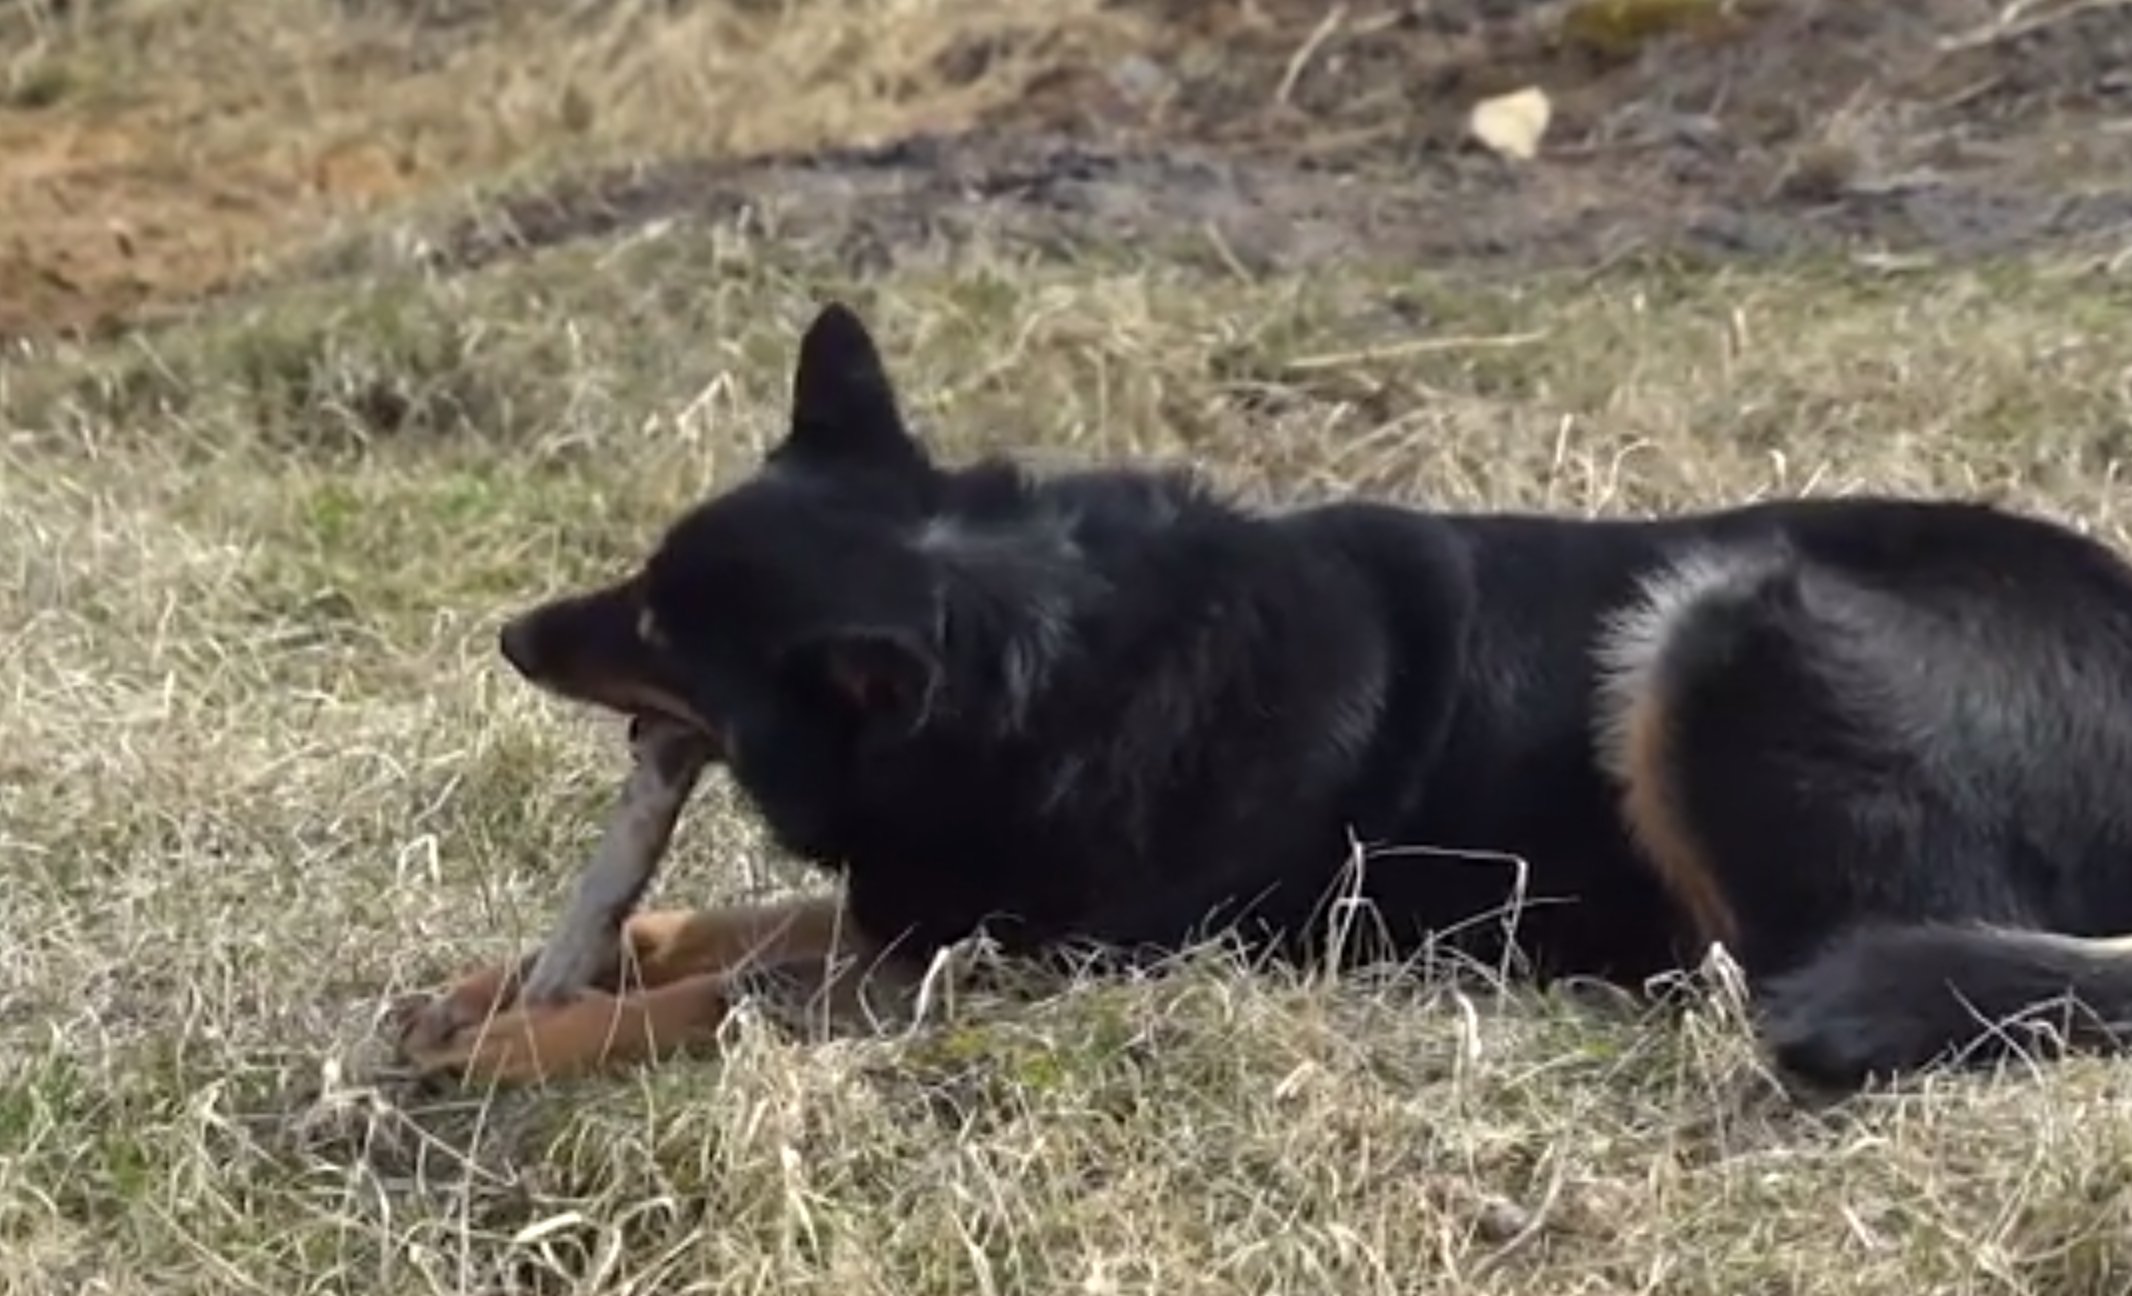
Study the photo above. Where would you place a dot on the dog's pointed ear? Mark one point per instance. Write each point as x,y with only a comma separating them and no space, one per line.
843,404
889,674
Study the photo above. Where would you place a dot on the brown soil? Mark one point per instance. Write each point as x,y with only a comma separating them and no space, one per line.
99,221
1748,129
1055,195
1273,132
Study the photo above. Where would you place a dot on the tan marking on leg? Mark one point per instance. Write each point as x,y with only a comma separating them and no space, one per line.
805,946
665,945
808,949
586,948
424,1024
1652,807
1634,739
592,1032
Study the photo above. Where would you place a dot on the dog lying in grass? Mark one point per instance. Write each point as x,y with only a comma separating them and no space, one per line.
1878,748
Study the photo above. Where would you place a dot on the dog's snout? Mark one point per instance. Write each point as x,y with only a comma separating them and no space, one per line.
516,641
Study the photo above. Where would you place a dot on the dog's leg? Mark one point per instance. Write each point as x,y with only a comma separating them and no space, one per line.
693,964
585,950
658,947
662,945
592,1030
799,954
665,945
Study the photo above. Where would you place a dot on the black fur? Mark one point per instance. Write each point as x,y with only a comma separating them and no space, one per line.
1886,998
1111,708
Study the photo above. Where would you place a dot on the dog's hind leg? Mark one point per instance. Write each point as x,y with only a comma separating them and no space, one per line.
1886,998
1799,777
1763,776
1639,737
1798,790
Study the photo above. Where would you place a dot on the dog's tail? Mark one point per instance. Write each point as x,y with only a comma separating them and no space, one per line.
1884,999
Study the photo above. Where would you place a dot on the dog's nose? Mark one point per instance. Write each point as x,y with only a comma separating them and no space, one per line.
515,641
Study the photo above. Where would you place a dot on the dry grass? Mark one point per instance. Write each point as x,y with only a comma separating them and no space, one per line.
260,769
263,771
137,163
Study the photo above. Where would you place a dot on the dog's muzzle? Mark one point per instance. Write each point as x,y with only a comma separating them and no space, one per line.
585,659
516,642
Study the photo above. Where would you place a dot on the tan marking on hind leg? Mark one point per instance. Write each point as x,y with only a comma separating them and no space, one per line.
1635,739
1651,804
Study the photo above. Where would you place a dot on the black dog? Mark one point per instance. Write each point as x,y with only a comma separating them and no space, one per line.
1881,749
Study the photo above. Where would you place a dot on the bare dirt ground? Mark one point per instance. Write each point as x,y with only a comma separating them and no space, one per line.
152,151
1278,133
1286,133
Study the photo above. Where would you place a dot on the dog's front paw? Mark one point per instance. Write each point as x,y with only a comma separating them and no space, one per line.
525,1045
428,1027
442,1043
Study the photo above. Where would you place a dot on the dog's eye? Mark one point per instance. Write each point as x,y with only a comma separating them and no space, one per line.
648,629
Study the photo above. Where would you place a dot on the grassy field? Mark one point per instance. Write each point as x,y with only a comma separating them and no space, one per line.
264,502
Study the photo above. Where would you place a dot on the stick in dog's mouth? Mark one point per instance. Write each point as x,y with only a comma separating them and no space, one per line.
667,760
